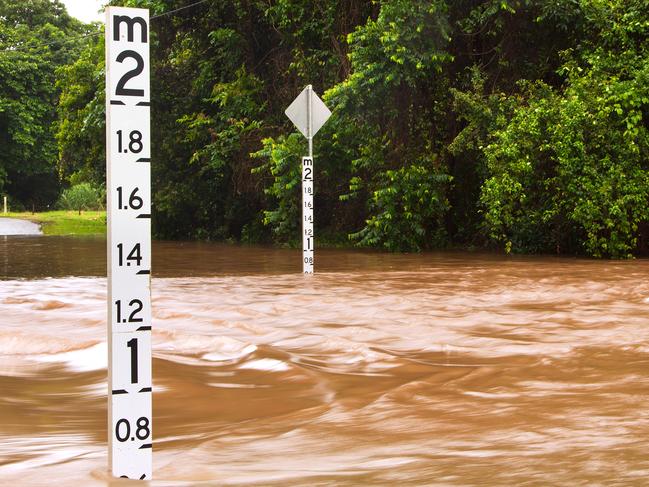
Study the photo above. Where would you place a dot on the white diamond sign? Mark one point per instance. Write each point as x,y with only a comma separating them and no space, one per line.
308,103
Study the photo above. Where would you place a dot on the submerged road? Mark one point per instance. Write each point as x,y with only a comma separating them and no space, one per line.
445,368
12,226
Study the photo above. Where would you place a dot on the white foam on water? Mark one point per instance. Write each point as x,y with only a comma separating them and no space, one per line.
491,395
390,462
266,364
228,385
84,360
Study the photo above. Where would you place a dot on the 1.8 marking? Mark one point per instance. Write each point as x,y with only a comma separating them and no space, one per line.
135,144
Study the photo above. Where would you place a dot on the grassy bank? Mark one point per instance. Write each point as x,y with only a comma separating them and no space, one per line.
66,222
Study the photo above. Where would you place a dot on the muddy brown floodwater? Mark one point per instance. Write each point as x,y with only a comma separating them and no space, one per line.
433,369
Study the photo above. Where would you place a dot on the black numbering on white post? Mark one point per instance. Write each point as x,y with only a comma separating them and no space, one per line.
128,183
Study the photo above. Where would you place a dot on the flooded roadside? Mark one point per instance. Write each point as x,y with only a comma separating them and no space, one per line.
13,226
434,369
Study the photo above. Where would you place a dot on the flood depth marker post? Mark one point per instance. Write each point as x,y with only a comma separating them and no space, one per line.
308,113
128,158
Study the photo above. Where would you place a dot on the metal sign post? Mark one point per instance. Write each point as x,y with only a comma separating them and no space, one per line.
128,158
309,114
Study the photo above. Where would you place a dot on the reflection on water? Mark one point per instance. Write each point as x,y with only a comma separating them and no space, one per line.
436,369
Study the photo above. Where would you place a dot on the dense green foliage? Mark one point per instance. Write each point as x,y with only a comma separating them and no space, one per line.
570,168
514,124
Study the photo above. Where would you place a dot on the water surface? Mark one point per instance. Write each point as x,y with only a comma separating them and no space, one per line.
433,369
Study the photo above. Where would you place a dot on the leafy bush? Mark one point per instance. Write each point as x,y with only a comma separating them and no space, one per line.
571,169
82,196
570,173
396,174
283,158
407,210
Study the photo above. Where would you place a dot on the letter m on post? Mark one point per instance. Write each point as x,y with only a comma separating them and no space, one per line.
130,23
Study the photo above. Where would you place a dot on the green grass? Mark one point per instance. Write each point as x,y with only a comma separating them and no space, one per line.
66,222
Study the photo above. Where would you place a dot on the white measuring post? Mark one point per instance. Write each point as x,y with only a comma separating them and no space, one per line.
308,237
5,205
128,162
309,113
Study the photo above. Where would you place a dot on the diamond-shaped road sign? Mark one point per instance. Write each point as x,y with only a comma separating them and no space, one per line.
298,112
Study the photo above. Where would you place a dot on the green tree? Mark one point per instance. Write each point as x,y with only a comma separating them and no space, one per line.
81,123
82,196
388,99
35,39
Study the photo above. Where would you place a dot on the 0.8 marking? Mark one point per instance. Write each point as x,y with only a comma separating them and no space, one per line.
123,426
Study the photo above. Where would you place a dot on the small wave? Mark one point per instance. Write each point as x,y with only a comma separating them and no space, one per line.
230,353
180,347
340,353
49,305
172,341
16,301
43,451
12,343
492,395
170,315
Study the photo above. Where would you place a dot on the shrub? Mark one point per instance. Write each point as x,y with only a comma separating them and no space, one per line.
82,196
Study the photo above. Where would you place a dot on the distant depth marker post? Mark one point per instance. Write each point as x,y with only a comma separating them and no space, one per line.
309,114
128,161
